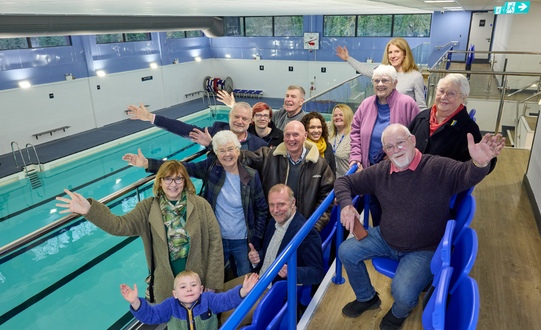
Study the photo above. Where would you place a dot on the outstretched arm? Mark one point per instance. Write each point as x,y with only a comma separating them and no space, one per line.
200,137
136,160
225,98
342,53
131,296
249,283
488,148
77,203
139,112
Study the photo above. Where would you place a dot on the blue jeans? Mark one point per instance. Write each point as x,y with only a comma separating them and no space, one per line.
411,277
238,248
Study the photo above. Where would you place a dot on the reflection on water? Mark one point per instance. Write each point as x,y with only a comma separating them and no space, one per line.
53,245
2,278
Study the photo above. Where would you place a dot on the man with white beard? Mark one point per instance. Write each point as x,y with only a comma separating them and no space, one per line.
414,191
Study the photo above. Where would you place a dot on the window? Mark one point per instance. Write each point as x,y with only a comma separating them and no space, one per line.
374,25
412,25
288,26
34,42
258,26
183,34
193,34
234,26
339,26
121,37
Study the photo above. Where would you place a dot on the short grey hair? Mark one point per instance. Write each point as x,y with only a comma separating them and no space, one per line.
222,138
394,127
385,71
243,105
458,80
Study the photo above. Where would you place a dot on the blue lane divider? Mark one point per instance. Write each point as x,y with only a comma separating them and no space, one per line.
289,256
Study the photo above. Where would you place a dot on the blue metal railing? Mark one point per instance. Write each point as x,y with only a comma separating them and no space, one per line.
289,256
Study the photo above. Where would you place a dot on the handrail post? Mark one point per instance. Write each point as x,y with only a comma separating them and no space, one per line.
502,101
292,291
338,279
492,61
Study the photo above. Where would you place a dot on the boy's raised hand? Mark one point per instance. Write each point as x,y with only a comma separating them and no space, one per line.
249,283
130,295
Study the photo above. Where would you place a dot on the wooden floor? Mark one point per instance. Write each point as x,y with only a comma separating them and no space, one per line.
507,269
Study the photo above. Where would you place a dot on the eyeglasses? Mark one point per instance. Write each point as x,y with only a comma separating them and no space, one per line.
384,81
258,115
400,145
450,94
227,151
178,180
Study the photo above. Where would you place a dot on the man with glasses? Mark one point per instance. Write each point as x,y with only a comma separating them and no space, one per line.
414,191
240,118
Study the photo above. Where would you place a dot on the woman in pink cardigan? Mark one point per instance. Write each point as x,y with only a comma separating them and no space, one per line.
377,112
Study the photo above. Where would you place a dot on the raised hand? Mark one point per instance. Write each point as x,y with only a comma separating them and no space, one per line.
253,255
136,160
139,112
488,148
130,295
200,137
283,272
347,217
77,203
225,98
342,53
249,283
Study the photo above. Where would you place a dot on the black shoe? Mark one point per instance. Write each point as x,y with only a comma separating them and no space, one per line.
391,322
356,308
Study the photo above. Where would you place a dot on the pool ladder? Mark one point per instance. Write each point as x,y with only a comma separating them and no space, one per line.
31,171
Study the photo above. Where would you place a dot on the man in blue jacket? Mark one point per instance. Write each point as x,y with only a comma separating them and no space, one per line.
240,118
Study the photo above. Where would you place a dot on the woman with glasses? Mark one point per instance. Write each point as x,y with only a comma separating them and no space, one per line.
339,137
318,134
178,229
398,54
442,130
261,125
377,112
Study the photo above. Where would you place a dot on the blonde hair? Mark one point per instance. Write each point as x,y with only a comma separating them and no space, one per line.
186,273
409,63
348,119
172,167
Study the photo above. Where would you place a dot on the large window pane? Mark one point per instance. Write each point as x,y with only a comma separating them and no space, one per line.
339,26
52,41
258,26
193,34
109,38
234,26
288,26
176,34
412,25
13,43
137,36
374,25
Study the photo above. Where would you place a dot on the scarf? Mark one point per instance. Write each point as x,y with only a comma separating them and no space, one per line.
321,146
174,219
434,119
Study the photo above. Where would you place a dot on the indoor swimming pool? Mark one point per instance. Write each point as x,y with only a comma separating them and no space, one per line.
70,278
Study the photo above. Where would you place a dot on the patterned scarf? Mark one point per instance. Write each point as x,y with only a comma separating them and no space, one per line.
321,146
174,218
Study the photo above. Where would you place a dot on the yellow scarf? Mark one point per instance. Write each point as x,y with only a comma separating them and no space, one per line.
321,146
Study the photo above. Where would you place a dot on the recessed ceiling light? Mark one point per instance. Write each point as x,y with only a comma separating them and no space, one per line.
453,8
438,1
24,84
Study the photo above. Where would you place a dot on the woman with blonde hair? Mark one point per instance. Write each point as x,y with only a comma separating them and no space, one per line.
398,54
339,138
178,229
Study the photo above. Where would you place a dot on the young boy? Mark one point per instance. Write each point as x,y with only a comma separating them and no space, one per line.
194,309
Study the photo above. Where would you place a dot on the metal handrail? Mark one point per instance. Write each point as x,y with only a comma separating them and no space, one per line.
447,44
15,157
500,73
15,245
35,152
525,87
509,52
330,89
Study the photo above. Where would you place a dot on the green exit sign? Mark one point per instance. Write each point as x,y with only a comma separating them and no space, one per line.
518,7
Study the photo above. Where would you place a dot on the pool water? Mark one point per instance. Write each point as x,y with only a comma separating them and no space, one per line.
71,278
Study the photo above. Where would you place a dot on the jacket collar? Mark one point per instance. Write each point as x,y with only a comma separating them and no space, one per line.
312,155
391,99
244,175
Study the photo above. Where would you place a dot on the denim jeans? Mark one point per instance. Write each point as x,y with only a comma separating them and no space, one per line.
411,277
238,248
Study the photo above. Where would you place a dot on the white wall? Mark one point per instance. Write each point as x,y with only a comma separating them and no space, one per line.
534,168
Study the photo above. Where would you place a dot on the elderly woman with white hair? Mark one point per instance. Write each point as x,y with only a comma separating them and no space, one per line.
442,130
377,112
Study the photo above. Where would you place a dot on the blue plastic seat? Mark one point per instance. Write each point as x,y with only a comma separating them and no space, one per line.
434,314
463,257
472,114
464,216
463,307
449,55
259,94
236,92
268,306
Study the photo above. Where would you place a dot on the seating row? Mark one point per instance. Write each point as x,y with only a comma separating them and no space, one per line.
247,93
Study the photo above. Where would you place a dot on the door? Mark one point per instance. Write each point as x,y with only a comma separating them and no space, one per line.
482,25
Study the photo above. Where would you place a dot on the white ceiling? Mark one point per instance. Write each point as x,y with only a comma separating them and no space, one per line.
232,7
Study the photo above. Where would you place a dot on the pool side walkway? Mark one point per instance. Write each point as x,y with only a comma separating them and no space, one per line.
63,147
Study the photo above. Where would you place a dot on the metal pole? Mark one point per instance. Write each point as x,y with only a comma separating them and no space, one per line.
292,291
492,61
502,101
338,279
